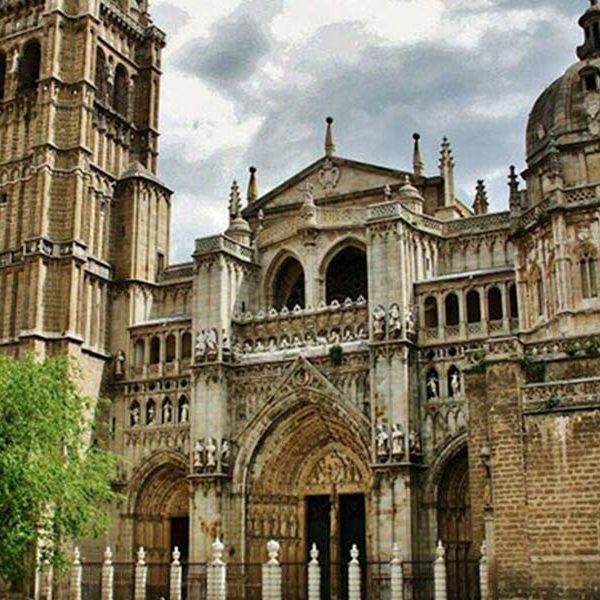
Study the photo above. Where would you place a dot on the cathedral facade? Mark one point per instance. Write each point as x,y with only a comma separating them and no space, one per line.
360,358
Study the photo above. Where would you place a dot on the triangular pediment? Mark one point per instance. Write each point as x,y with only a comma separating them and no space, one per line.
329,178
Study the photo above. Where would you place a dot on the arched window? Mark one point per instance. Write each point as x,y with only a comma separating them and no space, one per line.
454,382
589,276
432,384
171,348
431,313
121,91
452,312
288,287
101,78
473,307
29,66
2,74
150,412
186,345
513,301
139,354
155,350
540,294
495,311
346,276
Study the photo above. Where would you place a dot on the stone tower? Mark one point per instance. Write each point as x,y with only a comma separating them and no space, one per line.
79,201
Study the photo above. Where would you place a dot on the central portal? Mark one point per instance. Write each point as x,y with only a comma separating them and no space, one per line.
335,524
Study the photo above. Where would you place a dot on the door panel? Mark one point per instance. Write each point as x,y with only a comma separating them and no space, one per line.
352,531
318,531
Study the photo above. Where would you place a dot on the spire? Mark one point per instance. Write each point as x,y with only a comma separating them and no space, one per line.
235,201
418,162
329,143
513,185
252,186
481,204
590,23
447,171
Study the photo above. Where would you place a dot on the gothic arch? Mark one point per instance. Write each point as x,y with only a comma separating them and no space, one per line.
347,253
30,65
290,292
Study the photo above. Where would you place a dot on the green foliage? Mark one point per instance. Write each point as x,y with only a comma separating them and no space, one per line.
335,355
592,348
535,371
54,484
480,365
572,349
553,402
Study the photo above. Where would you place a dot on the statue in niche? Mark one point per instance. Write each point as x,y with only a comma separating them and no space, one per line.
201,345
414,440
120,364
212,344
411,325
184,412
226,346
167,413
211,454
225,455
383,443
150,414
397,442
379,323
455,384
198,456
395,321
433,386
135,415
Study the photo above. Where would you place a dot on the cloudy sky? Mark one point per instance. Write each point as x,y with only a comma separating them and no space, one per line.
250,82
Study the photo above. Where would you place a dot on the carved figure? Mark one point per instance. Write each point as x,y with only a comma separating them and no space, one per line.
226,346
379,323
167,412
397,442
184,413
120,364
433,386
211,454
455,384
395,321
383,442
135,415
198,456
201,345
225,454
150,414
414,440
411,325
212,344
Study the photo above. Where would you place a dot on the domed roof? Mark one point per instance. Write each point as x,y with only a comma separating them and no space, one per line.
567,108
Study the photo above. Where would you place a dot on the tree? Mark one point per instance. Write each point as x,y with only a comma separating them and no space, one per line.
55,476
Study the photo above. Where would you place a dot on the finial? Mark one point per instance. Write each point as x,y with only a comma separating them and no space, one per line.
141,556
273,548
588,22
513,186
76,556
176,555
446,156
418,162
314,555
329,143
354,554
481,204
108,556
396,554
235,201
252,186
440,552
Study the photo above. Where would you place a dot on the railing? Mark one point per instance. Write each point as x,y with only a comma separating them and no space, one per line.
91,581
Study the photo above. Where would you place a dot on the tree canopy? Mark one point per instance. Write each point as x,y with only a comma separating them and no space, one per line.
55,475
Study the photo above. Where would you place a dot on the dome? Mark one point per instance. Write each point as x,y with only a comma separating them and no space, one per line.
570,106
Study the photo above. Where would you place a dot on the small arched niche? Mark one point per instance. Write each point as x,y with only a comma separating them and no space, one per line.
346,275
29,66
289,285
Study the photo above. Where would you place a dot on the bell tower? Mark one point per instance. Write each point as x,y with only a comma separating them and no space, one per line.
79,88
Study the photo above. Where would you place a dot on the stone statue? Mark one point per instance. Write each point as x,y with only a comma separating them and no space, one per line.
411,325
198,456
414,440
455,384
120,364
135,415
395,321
201,345
212,344
387,192
211,454
432,387
379,323
184,413
150,414
383,442
225,454
397,442
167,412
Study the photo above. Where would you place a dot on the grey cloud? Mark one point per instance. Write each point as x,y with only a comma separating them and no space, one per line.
230,55
169,17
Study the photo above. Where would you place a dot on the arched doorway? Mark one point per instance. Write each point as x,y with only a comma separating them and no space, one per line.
346,276
308,482
161,513
454,527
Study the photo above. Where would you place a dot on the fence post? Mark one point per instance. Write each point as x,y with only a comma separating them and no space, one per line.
439,573
483,572
141,575
46,572
396,574
216,577
314,575
76,576
175,580
354,575
108,576
271,573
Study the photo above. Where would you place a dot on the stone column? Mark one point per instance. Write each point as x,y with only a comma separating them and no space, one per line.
271,574
483,572
46,573
175,580
354,575
439,573
76,576
141,575
314,575
396,575
108,576
216,576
